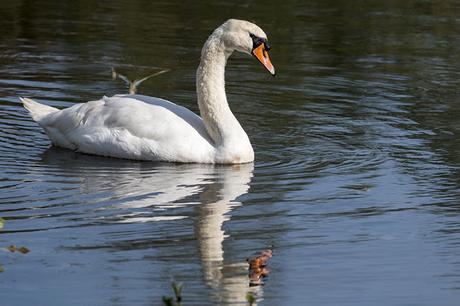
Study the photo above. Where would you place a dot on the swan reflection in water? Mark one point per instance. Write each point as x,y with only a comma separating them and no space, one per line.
138,192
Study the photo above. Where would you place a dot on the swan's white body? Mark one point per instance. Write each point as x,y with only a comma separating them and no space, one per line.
146,128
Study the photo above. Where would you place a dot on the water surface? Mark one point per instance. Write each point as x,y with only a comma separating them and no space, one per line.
356,180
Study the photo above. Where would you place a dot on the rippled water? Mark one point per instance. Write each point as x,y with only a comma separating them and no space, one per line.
356,179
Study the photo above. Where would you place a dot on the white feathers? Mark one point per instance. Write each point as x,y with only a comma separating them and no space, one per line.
37,110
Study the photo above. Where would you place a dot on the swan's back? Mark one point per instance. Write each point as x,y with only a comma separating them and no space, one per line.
131,126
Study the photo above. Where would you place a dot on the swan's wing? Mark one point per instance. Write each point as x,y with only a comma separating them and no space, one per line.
60,124
131,126
152,117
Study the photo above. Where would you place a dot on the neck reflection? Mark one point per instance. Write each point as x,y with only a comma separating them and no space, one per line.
141,190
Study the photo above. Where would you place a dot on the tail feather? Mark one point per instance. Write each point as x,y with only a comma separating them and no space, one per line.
37,110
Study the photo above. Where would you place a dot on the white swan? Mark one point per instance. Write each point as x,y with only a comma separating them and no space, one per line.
147,128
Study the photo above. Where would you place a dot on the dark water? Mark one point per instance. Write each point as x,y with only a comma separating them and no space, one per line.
356,180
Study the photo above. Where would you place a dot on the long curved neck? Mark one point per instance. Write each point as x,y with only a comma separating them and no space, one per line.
219,120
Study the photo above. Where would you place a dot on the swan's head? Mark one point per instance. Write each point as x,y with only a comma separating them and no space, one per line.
248,38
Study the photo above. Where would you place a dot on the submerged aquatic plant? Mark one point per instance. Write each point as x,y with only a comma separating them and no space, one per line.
169,300
177,300
250,298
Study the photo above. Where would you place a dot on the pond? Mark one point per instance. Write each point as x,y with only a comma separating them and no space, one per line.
355,187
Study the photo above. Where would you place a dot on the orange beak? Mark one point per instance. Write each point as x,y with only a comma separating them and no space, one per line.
262,55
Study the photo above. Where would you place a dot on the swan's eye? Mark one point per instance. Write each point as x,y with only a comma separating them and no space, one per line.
256,41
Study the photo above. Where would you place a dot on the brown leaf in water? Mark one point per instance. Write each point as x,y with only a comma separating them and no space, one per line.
257,267
23,250
13,248
256,276
261,260
2,223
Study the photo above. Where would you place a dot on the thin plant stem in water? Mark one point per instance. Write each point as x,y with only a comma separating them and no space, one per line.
133,85
169,300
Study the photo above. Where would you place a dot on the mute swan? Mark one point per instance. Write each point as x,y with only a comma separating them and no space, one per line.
147,128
